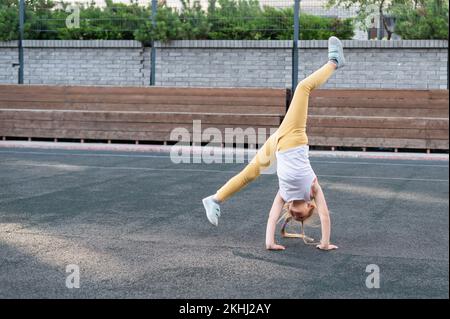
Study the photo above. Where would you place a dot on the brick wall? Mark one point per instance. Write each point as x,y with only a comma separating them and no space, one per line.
418,64
8,55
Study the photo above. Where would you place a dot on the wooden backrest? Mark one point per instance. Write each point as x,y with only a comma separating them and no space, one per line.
357,118
135,113
387,103
379,118
144,99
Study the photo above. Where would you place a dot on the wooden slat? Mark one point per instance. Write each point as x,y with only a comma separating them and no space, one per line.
439,94
179,91
379,103
84,134
143,107
379,142
378,122
378,133
145,91
162,127
15,89
375,93
155,99
125,117
112,135
384,112
123,126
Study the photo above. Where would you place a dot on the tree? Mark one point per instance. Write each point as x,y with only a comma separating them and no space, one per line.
422,19
168,26
9,20
414,19
223,19
194,20
234,19
368,9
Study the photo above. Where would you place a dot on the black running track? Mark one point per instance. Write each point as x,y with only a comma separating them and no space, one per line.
134,225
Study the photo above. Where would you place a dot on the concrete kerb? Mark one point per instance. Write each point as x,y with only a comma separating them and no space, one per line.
197,150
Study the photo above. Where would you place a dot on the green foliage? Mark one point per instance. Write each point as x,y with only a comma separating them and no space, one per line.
366,9
194,21
223,19
414,19
422,19
168,27
237,20
9,20
314,27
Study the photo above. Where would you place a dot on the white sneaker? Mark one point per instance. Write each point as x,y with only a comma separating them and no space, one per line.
336,51
212,210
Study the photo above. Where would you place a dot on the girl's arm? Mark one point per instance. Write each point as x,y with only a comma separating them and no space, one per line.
274,214
324,218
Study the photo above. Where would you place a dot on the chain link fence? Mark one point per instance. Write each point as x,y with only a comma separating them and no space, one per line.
86,20
165,20
181,20
224,19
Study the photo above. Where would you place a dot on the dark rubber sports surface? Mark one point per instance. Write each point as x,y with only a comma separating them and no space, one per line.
136,227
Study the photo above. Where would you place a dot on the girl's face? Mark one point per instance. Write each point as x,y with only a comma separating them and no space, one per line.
301,210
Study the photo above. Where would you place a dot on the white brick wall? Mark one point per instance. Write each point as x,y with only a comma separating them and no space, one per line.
222,67
101,66
8,73
371,64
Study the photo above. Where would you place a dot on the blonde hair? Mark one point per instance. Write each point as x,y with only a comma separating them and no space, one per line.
313,220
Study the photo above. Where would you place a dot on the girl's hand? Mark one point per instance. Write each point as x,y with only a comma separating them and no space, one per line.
327,247
274,247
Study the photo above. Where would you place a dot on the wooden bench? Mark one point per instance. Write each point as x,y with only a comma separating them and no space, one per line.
408,119
135,113
398,119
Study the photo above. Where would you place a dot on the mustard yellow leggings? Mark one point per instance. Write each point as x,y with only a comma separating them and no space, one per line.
291,133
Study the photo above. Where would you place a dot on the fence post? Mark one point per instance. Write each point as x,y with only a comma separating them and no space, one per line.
295,59
21,36
153,50
380,24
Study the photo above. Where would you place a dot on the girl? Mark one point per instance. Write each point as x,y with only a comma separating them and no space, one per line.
299,191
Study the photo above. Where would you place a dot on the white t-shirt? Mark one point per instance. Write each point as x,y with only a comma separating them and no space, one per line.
295,174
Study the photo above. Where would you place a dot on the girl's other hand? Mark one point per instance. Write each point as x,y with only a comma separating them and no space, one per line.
274,247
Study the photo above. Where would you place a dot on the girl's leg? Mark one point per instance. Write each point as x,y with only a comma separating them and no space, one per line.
262,160
292,131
